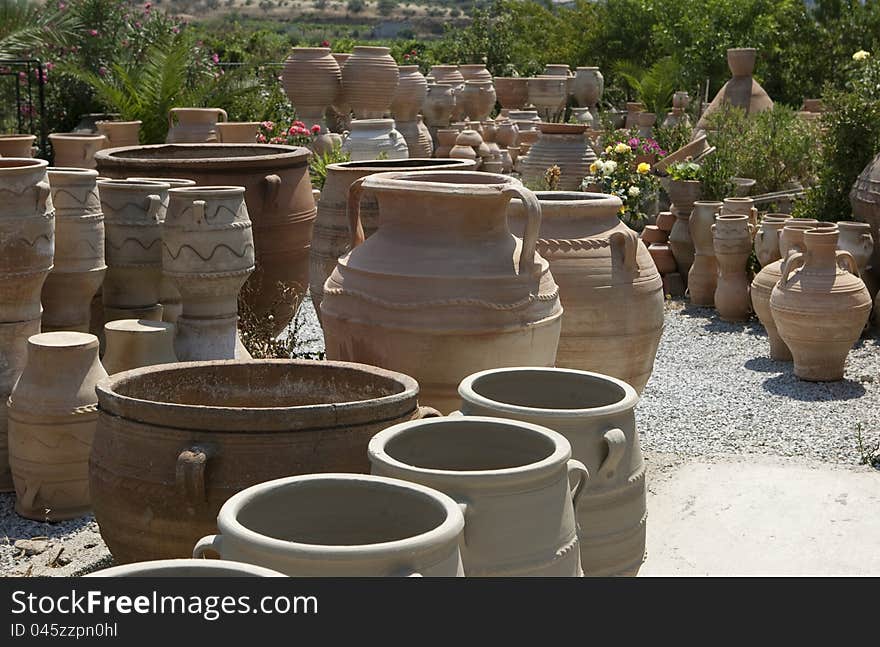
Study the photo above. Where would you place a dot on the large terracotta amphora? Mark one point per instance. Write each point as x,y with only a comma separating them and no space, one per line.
703,274
442,289
732,239
819,307
194,125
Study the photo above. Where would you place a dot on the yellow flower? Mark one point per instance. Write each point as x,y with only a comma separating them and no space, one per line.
621,148
607,149
622,210
861,55
593,167
643,168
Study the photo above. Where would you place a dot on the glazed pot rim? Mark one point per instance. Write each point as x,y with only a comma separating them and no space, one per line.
235,569
72,170
578,198
629,400
22,164
273,156
432,163
536,469
448,529
486,184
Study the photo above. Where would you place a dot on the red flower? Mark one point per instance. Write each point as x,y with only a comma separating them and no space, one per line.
316,129
325,43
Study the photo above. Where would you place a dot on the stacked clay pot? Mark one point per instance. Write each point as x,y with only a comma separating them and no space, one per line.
445,142
369,81
408,100
193,125
820,308
76,150
703,274
27,248
134,343
656,238
477,99
732,240
440,101
371,138
79,250
450,302
52,413
563,145
312,81
17,145
682,195
741,91
548,94
475,72
610,290
512,92
120,133
587,87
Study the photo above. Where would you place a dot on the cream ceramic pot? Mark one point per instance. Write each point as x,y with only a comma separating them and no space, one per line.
186,568
511,480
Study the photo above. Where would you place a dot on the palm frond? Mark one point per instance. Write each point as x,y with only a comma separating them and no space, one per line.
25,26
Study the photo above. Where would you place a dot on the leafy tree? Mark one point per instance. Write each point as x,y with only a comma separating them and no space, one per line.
387,7
356,6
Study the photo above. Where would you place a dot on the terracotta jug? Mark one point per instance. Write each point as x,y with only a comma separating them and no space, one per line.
208,251
17,145
496,489
595,413
682,194
369,81
410,95
461,287
186,568
312,80
767,239
344,525
238,132
732,240
76,150
52,413
703,275
417,137
587,88
820,308
566,146
194,125
477,99
512,92
370,138
610,290
133,343
120,133
79,250
548,94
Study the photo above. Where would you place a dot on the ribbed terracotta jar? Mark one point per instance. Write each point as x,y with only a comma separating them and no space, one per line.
611,293
120,133
732,240
596,414
134,343
495,489
369,81
703,274
767,239
312,81
193,125
411,92
417,136
433,291
371,138
17,145
477,99
475,72
76,150
174,442
563,145
741,205
512,92
820,308
52,415
682,195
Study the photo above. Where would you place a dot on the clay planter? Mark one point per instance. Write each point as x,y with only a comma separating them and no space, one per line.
865,200
208,251
79,266
369,81
52,413
312,81
450,75
477,99
732,240
680,100
702,278
610,290
653,234
820,308
13,355
186,568
548,94
417,137
595,413
76,150
445,142
646,121
175,441
453,293
855,238
194,125
439,106
633,108
134,343
17,145
743,206
566,146
512,92
120,133
279,202
496,490
662,257
767,240
370,138
475,72
238,132
665,220
346,525
682,195
556,69
410,96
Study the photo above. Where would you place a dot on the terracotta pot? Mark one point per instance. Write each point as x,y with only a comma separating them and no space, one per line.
238,132
475,72
79,266
583,116
681,100
477,99
633,108
512,92
410,96
820,309
682,194
865,200
556,69
279,202
653,234
13,356
120,133
76,150
741,60
369,81
702,277
312,81
186,568
454,293
445,141
369,138
563,145
208,251
133,343
450,75
417,137
347,525
646,121
439,105
767,240
175,441
665,221
588,86
662,257
732,240
17,145
194,125
610,290
52,413
595,413
528,479
742,91
548,94
741,205
855,237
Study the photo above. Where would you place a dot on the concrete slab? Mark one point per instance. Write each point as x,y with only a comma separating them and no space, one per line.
750,515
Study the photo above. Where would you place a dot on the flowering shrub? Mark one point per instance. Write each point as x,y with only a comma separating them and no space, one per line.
621,171
297,134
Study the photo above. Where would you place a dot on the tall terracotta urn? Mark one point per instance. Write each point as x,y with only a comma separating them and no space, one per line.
370,139
208,251
312,81
410,95
767,239
512,92
120,133
17,145
587,88
563,145
477,99
856,238
548,94
76,150
682,195
702,277
865,200
732,239
820,306
134,343
193,125
611,293
52,414
369,81
79,266
433,291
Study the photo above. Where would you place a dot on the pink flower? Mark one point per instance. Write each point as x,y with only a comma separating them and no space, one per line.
22,76
102,71
268,125
148,5
215,58
316,128
49,65
175,30
325,43
62,6
93,32
137,25
261,138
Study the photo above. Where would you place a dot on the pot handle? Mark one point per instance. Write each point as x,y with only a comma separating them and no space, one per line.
849,260
794,261
206,543
171,114
222,113
355,228
427,412
199,210
189,473
272,190
627,244
43,193
464,507
576,467
154,204
615,439
533,226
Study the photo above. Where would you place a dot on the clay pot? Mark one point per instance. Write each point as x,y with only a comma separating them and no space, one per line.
646,121
741,60
175,441
369,81
439,105
279,202
477,99
79,250
194,125
588,86
563,145
13,356
663,258
17,145
610,290
741,205
653,234
865,200
683,194
742,91
665,221
855,237
512,92
475,72
633,108
452,76
238,132
767,240
445,142
820,309
186,568
453,293
52,413
548,94
732,240
582,116
76,150
702,277
133,343
528,479
556,69
347,525
417,137
369,138
120,133
595,413
411,92
312,81
680,100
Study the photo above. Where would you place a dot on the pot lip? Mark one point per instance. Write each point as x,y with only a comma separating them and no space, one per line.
407,68
234,569
119,123
409,181
23,164
714,203
853,224
223,190
72,170
311,50
377,165
821,236
63,340
376,449
224,124
180,181
132,184
578,199
629,400
548,128
16,136
731,217
228,419
275,155
371,49
447,531
511,78
86,136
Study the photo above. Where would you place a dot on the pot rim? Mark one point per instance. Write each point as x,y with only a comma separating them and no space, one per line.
408,181
438,164
371,49
15,136
276,156
89,136
578,199
181,181
72,170
853,224
166,567
222,189
629,400
448,531
119,123
28,164
132,184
